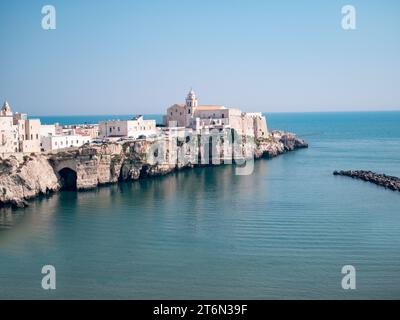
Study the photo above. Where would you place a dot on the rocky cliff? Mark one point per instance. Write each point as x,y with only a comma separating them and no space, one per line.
22,178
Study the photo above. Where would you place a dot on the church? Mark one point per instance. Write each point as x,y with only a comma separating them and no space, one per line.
203,118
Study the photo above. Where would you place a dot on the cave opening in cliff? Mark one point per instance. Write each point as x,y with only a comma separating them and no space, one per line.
68,179
144,171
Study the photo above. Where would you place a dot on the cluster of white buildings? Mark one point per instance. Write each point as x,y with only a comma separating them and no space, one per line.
62,140
203,118
18,134
22,135
56,137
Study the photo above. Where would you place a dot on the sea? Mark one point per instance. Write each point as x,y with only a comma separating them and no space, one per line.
283,232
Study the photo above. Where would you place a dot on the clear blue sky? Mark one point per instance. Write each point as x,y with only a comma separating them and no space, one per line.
130,57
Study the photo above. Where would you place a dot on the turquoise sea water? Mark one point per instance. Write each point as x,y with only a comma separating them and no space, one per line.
283,232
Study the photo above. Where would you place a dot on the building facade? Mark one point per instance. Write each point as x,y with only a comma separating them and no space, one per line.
56,142
203,118
55,137
17,132
127,128
91,130
48,130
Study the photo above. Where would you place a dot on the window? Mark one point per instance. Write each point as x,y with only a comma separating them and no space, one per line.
110,129
77,141
37,136
189,111
223,116
171,113
119,129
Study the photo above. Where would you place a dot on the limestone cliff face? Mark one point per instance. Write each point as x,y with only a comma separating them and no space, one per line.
22,178
277,143
92,165
89,167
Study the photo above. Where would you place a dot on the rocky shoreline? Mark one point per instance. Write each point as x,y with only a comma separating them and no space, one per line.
24,177
388,182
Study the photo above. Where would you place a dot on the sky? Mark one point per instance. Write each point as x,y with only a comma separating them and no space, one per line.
140,57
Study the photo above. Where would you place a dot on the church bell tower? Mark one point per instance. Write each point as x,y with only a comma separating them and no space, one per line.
191,100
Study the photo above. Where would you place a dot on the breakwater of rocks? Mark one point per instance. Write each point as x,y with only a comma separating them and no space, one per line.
388,182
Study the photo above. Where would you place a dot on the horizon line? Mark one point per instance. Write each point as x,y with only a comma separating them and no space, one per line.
274,112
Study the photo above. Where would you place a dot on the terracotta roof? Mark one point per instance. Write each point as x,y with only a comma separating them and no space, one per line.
177,105
210,107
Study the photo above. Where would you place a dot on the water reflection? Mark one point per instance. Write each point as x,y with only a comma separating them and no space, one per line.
189,193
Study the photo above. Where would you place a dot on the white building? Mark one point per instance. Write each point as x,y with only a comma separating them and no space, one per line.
56,142
127,128
48,130
55,137
205,117
17,132
91,130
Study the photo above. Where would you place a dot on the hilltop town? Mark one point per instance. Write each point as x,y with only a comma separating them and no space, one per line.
20,134
37,159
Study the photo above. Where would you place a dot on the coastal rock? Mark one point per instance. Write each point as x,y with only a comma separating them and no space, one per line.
19,203
388,182
278,142
129,171
24,177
